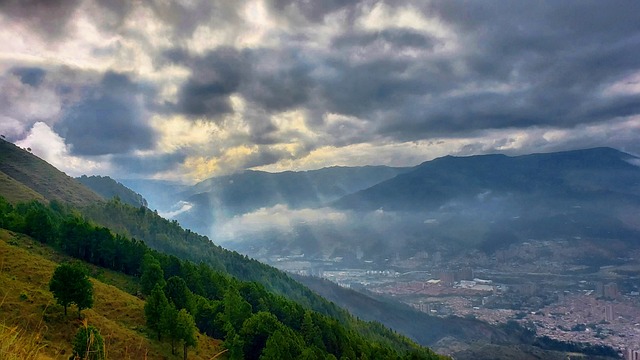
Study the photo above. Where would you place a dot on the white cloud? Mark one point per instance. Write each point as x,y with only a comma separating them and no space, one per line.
277,218
629,85
180,207
49,146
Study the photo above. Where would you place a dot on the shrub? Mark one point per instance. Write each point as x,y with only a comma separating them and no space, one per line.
88,344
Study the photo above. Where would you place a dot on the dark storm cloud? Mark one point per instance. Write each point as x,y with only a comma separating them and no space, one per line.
313,11
150,164
364,88
49,18
30,75
519,64
397,37
185,17
491,65
279,79
275,79
264,156
110,119
214,78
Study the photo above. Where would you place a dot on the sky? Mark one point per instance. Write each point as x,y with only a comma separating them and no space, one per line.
190,89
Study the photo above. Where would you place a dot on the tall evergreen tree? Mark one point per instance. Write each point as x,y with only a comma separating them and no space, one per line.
236,309
168,325
282,344
310,331
154,310
38,223
234,344
255,332
152,274
186,330
179,294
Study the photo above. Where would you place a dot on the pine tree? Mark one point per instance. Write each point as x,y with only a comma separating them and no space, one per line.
282,344
154,309
168,325
152,274
186,330
236,309
179,294
310,331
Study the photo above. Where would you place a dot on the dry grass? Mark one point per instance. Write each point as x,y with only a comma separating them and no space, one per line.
29,308
16,192
16,344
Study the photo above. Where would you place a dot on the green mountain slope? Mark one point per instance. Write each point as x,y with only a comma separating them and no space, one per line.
40,177
29,309
244,314
16,191
109,188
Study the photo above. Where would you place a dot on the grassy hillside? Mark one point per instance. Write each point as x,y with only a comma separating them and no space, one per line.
15,191
28,310
38,179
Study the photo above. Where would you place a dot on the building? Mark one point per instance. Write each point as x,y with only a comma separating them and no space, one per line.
608,313
631,354
610,291
463,274
447,277
467,284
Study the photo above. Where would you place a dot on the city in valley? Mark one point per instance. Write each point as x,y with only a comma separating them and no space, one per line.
568,290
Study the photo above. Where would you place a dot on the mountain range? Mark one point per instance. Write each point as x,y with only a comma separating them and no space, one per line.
447,204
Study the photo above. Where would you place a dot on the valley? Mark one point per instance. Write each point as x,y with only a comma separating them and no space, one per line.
545,286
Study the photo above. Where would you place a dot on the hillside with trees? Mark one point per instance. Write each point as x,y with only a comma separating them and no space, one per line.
109,188
252,321
33,324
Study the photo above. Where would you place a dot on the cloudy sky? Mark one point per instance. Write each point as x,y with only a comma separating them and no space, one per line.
190,89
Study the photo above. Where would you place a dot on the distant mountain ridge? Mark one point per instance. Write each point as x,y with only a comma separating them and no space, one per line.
570,173
250,190
484,202
110,188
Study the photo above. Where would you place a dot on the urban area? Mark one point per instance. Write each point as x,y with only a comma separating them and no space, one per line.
559,289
